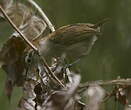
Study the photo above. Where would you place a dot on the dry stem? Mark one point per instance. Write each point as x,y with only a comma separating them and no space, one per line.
43,15
111,82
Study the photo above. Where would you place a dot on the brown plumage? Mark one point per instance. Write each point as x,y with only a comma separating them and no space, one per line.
72,40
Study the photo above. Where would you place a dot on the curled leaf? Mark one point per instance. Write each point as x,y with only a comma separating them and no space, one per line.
17,10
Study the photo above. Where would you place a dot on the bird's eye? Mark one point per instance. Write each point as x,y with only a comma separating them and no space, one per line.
28,58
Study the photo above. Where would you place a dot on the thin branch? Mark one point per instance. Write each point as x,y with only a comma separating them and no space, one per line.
14,26
52,74
31,45
50,25
104,83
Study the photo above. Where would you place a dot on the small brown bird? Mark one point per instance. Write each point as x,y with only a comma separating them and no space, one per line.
73,41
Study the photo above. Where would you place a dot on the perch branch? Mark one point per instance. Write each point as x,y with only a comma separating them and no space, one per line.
50,25
104,83
30,44
51,73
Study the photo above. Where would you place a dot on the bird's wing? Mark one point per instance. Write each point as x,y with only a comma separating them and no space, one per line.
81,49
72,34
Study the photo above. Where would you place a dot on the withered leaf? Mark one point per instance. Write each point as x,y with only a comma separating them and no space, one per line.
63,98
10,56
16,10
33,28
7,3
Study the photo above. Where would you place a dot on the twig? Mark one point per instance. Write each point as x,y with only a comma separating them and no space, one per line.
43,15
111,82
48,69
30,44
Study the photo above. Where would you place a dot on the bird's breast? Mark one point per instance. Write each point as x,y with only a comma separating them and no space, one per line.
50,49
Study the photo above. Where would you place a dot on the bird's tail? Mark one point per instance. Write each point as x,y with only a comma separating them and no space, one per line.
101,23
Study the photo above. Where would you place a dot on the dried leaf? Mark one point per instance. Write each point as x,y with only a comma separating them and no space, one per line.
127,107
63,99
8,88
12,64
17,10
96,95
7,3
33,28
121,94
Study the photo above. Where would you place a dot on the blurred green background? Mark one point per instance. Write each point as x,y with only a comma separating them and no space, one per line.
111,55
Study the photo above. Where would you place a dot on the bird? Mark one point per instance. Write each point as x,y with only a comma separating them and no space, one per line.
72,41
